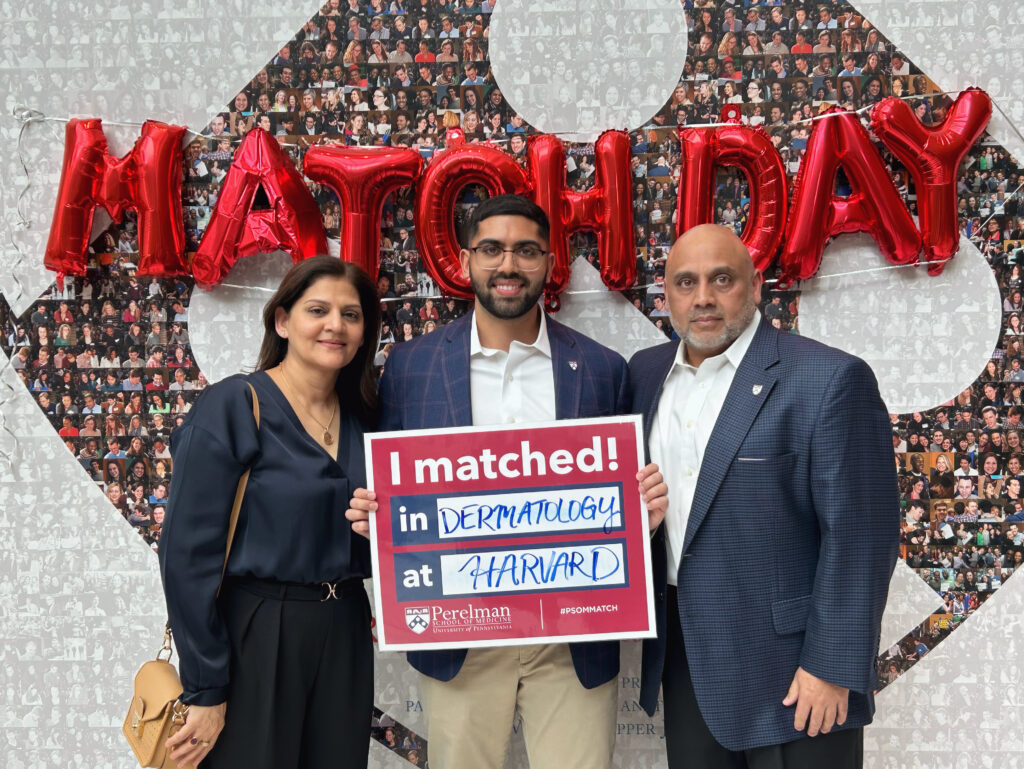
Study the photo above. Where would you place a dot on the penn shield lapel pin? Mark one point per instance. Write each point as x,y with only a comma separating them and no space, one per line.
756,389
572,365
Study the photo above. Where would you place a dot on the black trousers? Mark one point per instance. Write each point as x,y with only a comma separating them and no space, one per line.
301,688
691,745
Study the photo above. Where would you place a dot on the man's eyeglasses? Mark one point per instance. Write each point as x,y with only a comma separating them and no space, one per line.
527,258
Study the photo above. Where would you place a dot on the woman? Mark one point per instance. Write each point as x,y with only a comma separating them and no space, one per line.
874,43
354,53
65,336
728,46
754,45
381,101
1013,303
356,101
848,91
316,387
849,42
378,53
115,495
941,482
730,94
754,92
447,53
132,313
355,129
471,126
471,50
872,66
180,405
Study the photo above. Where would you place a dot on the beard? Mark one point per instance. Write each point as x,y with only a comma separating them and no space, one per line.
730,332
505,307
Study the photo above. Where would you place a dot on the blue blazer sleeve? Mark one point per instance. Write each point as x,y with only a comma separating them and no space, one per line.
391,399
856,499
210,451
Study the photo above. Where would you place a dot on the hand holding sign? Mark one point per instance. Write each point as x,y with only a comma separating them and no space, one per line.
363,503
654,492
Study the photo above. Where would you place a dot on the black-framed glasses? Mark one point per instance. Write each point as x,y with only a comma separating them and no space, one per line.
527,258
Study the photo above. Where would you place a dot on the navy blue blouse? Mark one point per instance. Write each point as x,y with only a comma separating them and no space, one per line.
292,525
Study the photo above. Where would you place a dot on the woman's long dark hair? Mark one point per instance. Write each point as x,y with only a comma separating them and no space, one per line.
357,382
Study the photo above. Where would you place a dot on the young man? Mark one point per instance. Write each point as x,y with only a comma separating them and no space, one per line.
507,362
772,665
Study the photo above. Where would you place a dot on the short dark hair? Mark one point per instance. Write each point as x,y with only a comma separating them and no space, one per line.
357,382
507,205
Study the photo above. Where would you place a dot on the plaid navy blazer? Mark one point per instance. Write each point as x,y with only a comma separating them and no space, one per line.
426,385
791,540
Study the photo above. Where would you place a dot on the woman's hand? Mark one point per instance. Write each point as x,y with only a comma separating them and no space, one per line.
360,506
195,739
654,492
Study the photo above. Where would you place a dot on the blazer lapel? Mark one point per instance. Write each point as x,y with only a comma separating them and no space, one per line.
567,365
750,388
455,371
653,384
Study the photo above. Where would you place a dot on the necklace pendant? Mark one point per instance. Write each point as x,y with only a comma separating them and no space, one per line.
327,437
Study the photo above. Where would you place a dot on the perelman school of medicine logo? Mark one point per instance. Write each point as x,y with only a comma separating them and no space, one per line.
417,618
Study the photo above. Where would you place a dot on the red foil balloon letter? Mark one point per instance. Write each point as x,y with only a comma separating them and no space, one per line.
362,178
874,206
750,150
932,155
292,222
447,175
147,179
606,208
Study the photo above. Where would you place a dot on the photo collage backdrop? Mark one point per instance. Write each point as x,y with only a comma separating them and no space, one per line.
108,358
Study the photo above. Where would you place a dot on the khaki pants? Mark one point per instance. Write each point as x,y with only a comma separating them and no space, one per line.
565,725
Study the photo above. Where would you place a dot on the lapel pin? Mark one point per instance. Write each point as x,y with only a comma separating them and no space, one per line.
572,365
756,389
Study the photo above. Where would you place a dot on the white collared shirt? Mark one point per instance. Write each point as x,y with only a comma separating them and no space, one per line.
690,402
513,386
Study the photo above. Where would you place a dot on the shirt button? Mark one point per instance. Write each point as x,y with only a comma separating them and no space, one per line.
510,377
689,424
689,472
511,420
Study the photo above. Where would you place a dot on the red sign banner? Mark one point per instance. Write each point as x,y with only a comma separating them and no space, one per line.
510,535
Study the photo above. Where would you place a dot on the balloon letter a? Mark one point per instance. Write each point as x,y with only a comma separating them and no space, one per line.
291,222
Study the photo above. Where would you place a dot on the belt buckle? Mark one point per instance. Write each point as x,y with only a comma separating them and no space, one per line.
331,588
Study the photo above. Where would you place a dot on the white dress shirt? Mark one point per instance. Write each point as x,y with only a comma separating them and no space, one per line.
690,402
513,386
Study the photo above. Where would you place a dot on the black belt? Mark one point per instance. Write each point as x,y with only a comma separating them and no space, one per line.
297,591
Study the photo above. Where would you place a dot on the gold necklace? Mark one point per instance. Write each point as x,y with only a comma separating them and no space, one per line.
328,438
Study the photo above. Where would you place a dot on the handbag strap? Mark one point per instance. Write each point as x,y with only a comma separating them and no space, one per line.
232,525
239,493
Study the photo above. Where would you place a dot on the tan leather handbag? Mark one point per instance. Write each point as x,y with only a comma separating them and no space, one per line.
156,711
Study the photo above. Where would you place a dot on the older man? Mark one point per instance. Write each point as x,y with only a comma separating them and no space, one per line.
782,526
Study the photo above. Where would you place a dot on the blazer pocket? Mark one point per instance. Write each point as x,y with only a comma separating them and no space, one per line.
790,615
777,466
776,460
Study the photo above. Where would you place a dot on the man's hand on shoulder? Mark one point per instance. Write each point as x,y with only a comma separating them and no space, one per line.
819,704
